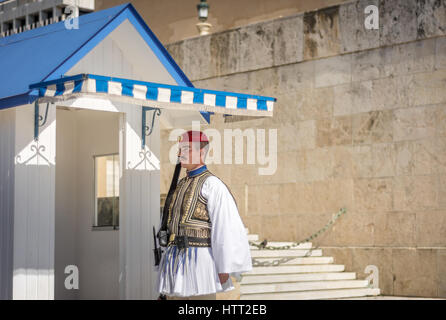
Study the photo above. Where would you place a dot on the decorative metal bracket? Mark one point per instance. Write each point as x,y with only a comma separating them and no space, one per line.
38,118
147,130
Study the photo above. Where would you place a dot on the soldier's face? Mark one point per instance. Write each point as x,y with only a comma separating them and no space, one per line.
190,155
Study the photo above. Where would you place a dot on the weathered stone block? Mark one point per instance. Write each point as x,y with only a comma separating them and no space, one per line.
300,167
270,228
373,127
306,135
431,228
414,272
307,227
303,198
176,51
415,157
442,191
197,58
431,18
362,162
342,162
415,192
263,82
286,168
255,46
288,226
269,205
395,229
343,102
427,88
315,103
384,159
288,40
333,71
321,196
334,131
354,229
440,155
286,109
321,33
414,123
367,65
361,95
225,52
354,36
390,93
440,53
340,195
253,223
238,82
239,172
296,76
372,195
292,137
318,164
408,58
441,265
288,198
297,136
398,21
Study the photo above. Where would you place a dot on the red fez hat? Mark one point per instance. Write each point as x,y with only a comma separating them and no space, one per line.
194,136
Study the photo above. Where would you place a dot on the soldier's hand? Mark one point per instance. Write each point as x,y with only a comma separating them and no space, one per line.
223,277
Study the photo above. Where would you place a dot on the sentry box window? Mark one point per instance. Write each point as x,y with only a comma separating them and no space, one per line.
106,191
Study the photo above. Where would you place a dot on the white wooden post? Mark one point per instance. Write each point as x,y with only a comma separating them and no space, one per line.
139,205
7,150
34,205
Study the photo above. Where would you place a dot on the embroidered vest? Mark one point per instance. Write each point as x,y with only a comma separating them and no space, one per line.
188,214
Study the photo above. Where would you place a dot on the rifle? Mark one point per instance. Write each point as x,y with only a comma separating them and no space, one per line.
163,233
156,251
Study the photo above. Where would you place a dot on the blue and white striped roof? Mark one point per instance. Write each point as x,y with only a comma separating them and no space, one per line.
154,95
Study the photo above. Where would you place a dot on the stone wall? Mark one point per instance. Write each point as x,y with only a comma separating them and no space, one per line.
361,119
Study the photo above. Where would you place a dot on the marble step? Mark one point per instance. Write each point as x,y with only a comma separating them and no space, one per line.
305,245
299,261
302,286
285,253
253,237
278,278
297,269
310,295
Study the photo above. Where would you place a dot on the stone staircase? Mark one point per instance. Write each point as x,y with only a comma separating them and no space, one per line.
308,276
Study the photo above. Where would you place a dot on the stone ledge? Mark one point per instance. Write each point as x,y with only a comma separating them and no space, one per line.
312,35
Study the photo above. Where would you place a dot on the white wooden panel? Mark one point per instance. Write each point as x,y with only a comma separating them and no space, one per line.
7,142
108,59
66,201
139,207
34,206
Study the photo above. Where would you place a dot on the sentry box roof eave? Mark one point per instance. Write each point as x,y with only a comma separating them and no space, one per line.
152,94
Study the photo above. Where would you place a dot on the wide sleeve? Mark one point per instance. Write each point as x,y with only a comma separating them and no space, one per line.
230,247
